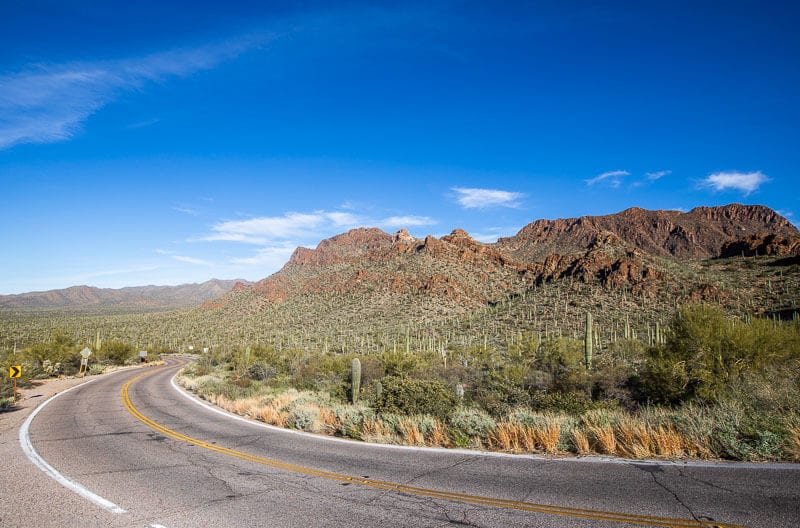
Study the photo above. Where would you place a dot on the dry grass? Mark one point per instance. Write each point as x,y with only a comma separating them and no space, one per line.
633,439
375,430
669,442
581,442
410,433
605,440
547,436
438,435
273,416
506,437
792,446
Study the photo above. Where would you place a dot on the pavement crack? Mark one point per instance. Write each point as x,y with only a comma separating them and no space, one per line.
655,468
704,482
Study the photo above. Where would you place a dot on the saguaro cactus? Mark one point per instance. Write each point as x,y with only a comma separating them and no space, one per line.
355,379
588,341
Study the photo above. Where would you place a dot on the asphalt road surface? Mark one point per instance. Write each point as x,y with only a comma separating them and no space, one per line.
162,460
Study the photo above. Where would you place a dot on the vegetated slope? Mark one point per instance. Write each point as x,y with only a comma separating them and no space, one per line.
698,234
139,297
635,250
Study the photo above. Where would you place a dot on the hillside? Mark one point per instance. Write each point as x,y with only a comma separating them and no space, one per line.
636,250
139,297
695,235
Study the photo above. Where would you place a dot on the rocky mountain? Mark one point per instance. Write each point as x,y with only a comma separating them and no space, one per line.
698,234
635,250
140,297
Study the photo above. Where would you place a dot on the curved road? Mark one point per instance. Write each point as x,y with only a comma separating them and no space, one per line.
137,442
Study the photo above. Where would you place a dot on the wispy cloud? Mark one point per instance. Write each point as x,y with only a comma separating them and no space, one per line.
613,178
747,182
192,260
49,103
185,209
269,257
653,176
266,229
406,221
472,198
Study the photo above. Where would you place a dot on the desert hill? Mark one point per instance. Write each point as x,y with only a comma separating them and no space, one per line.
635,249
138,297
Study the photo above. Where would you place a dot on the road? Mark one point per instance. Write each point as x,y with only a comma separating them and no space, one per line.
137,442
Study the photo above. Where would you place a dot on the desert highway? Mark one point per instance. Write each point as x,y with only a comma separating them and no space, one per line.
132,450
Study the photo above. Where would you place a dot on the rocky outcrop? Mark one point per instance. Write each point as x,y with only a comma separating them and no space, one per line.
763,244
698,234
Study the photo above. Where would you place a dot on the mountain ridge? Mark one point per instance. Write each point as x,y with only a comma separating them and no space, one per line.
129,297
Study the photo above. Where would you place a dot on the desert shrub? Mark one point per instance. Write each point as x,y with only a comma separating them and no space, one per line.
472,423
305,417
415,396
498,394
116,352
707,351
575,403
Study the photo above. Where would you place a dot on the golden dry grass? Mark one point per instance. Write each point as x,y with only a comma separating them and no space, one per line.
605,440
668,442
273,416
438,435
375,430
410,432
547,436
506,437
633,440
581,442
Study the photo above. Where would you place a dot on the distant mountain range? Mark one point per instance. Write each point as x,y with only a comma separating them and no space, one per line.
139,297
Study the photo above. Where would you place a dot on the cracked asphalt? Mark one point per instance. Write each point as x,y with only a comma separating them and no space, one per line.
89,436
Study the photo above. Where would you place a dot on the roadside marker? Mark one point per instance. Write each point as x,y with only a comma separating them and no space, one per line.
14,372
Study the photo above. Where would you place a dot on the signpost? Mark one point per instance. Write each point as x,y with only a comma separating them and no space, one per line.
143,355
85,353
14,372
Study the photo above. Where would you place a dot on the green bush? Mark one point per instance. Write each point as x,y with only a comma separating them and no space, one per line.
472,423
415,396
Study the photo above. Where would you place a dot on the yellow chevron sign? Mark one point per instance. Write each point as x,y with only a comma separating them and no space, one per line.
15,371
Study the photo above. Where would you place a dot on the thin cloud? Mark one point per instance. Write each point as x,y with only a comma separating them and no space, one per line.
192,260
264,229
747,182
407,221
613,178
271,257
186,210
653,176
50,103
472,198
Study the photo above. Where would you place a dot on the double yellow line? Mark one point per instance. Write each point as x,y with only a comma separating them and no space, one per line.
597,515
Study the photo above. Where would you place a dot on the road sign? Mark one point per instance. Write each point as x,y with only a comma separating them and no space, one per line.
15,371
85,353
84,361
143,353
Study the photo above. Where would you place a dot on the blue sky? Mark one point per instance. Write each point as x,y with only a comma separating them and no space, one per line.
164,143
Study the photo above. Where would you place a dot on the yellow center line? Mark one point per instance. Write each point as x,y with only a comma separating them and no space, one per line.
598,515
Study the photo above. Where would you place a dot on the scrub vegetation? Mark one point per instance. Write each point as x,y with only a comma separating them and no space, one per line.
712,387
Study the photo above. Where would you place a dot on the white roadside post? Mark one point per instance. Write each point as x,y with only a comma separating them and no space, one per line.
85,353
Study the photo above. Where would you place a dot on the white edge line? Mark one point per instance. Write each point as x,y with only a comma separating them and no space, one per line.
477,453
38,461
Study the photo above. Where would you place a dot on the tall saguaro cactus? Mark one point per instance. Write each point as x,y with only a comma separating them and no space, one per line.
355,379
588,341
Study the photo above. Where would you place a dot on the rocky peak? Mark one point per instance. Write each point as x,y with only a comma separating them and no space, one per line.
403,236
